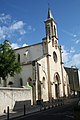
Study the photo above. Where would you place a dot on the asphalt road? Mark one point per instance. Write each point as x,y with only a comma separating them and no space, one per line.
60,113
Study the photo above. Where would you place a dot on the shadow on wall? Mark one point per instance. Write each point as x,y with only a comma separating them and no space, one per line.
19,105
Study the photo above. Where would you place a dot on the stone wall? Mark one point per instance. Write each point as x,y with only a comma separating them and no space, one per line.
10,96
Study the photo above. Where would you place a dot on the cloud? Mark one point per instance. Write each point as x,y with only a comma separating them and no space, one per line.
16,45
75,37
3,32
30,28
17,25
69,33
65,55
5,19
76,59
24,45
77,41
10,27
72,50
70,57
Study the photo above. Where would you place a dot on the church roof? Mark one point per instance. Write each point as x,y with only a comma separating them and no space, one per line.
28,46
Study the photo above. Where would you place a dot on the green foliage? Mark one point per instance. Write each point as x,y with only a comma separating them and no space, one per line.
8,63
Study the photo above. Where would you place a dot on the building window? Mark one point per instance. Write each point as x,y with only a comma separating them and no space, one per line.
21,82
52,28
31,83
18,57
57,78
51,24
48,31
54,31
55,56
26,53
53,42
44,82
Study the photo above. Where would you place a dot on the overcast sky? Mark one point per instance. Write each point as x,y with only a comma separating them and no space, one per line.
22,22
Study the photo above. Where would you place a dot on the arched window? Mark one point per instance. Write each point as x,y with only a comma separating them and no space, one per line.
54,31
21,82
48,31
26,53
30,81
44,82
55,44
55,56
18,57
57,78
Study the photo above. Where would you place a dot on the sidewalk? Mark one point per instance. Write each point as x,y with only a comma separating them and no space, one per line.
13,114
37,108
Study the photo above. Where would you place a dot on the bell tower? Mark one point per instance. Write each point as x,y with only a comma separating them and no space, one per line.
51,29
50,48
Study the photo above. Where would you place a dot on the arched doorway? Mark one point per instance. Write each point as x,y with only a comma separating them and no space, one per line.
57,85
56,90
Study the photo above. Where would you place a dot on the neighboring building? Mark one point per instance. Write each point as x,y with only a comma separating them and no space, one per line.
42,66
73,79
79,76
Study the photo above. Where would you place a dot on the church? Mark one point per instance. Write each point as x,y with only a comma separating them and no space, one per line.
42,66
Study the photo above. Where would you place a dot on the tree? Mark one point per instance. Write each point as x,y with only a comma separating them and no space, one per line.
8,63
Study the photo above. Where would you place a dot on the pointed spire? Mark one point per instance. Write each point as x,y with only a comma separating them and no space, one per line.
49,13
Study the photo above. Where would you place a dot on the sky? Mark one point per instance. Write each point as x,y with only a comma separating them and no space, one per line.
22,22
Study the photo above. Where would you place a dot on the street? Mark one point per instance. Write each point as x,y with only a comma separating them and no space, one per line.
57,113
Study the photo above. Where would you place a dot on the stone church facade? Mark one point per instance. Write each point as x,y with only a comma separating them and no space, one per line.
42,66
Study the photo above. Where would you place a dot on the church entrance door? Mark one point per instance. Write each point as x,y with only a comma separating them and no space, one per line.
57,84
57,90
